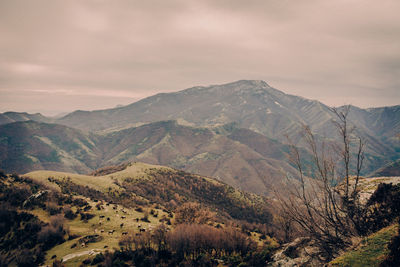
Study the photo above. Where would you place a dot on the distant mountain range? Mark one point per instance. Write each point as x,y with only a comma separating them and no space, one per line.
235,132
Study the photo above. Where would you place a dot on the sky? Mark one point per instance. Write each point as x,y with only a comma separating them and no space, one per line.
60,56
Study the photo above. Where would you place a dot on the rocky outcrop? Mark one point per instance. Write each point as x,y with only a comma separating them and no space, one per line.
301,252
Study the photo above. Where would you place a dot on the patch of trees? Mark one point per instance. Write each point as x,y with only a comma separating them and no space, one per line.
24,238
192,245
109,169
53,233
193,213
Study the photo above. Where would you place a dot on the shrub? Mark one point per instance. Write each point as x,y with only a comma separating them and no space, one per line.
52,208
69,214
99,258
53,233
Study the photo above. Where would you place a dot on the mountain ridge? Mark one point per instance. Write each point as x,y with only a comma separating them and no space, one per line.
254,167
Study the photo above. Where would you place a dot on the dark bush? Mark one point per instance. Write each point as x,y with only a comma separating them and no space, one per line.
86,216
87,261
99,258
53,233
69,214
80,202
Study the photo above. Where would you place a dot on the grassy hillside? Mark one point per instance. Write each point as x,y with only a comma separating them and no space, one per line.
147,184
371,251
76,217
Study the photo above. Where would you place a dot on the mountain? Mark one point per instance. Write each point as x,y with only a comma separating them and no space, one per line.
30,145
252,104
256,106
239,157
391,169
8,117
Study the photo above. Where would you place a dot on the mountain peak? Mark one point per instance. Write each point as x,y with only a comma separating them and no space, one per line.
258,83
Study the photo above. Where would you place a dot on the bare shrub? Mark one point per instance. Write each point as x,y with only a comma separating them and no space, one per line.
193,212
329,214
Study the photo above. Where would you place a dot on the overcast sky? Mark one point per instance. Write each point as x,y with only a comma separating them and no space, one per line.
58,56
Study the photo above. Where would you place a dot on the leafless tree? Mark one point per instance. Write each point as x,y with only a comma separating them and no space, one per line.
328,213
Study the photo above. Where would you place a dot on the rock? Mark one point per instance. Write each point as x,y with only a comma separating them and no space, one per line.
301,252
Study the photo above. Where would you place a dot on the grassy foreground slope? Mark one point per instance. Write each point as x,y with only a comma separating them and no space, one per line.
144,184
72,217
371,252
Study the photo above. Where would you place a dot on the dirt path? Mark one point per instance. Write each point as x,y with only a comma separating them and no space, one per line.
78,254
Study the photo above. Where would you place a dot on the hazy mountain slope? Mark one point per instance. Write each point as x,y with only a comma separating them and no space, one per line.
254,163
252,104
201,151
391,169
30,145
8,117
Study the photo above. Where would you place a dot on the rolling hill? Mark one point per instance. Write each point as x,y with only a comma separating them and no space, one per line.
52,216
146,184
31,145
239,157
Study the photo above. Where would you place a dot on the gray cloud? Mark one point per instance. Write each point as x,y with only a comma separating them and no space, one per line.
96,54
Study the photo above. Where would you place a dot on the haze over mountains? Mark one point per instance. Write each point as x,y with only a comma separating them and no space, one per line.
235,132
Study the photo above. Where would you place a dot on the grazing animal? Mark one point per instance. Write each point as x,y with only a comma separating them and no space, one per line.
124,233
102,231
142,230
123,217
101,216
111,232
121,225
108,218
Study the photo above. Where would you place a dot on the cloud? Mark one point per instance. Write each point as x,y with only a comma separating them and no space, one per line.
326,50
